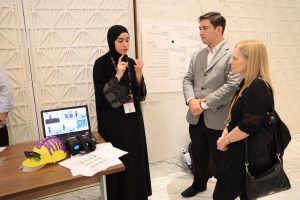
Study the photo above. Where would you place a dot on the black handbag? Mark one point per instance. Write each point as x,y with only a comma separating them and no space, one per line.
274,179
282,131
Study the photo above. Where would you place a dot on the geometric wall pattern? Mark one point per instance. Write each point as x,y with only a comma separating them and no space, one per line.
14,57
64,39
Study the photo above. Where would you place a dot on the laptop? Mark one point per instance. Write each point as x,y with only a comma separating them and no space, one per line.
66,122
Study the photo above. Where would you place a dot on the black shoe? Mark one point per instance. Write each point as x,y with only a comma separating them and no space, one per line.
192,191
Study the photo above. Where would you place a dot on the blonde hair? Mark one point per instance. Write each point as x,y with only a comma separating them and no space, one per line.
256,54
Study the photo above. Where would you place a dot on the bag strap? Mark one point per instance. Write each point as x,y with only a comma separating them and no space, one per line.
272,119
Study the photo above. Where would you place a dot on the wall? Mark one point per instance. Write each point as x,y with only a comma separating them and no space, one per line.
14,56
48,48
275,22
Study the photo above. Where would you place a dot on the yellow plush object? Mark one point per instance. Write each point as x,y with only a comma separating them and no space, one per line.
51,150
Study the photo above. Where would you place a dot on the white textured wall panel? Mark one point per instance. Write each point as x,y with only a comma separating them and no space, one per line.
65,39
14,56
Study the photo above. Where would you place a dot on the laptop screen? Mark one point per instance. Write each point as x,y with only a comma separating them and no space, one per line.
68,121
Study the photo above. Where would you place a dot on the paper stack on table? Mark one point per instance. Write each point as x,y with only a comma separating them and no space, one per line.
89,164
2,148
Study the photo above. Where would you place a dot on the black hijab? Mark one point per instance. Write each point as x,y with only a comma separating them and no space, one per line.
112,34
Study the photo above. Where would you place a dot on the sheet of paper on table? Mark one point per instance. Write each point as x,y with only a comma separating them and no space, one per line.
2,148
89,164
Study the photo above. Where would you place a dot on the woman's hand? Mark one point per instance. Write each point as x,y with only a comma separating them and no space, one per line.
225,131
222,143
138,67
139,63
121,67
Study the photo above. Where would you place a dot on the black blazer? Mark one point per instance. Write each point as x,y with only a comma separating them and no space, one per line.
249,114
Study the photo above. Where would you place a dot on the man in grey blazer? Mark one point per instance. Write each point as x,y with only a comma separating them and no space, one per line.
208,88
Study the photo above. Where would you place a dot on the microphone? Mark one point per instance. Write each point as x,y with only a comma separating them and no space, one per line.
125,58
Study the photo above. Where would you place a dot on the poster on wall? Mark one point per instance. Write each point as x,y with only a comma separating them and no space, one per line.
167,47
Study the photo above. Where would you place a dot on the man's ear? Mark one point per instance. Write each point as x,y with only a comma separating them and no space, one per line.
220,30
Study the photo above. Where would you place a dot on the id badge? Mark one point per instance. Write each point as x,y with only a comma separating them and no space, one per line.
129,106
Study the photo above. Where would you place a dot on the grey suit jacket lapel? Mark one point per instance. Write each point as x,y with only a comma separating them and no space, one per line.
202,60
221,52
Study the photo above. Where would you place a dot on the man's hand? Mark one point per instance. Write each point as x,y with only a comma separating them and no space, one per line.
3,117
194,106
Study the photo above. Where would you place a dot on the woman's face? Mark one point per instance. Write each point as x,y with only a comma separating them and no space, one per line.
122,43
238,62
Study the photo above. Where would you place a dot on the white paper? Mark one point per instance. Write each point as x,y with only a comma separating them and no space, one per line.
89,164
2,149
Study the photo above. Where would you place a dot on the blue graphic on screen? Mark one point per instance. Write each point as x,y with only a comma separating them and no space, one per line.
65,121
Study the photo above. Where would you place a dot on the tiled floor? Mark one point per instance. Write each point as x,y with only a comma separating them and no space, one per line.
171,176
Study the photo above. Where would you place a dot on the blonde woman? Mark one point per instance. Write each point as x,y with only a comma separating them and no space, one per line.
246,120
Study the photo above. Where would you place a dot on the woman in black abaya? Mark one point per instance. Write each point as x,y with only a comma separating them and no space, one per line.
119,87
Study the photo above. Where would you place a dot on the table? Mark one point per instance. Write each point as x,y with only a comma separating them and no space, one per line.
52,178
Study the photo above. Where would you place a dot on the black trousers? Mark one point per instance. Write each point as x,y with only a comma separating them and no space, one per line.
3,137
206,159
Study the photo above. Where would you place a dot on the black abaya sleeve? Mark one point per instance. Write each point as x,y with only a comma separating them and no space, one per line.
142,91
115,94
255,106
107,88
